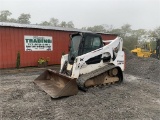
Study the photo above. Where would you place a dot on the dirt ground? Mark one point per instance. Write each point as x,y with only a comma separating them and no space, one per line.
136,98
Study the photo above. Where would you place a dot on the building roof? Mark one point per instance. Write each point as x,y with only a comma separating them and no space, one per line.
35,26
6,24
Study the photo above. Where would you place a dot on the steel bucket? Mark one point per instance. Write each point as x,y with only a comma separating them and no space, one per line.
56,84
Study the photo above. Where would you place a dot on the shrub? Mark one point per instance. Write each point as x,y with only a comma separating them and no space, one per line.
18,60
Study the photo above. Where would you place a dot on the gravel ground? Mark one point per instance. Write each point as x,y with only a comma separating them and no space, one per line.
148,68
136,98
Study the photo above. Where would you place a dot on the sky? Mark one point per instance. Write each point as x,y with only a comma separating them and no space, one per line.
140,14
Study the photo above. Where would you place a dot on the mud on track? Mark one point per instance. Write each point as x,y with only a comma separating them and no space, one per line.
135,98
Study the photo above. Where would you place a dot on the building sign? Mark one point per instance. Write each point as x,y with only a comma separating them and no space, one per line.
38,43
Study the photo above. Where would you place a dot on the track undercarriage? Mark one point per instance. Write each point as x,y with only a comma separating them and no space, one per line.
106,75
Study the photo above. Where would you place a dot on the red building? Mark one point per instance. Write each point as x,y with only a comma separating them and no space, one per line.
34,42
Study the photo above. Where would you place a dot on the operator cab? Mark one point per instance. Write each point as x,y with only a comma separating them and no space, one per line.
82,43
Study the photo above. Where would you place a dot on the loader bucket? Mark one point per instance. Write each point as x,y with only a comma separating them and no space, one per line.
56,84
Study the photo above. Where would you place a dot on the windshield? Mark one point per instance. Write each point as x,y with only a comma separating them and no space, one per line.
73,53
75,45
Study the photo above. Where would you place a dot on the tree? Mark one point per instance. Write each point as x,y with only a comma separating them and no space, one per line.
116,31
126,29
24,18
108,28
139,32
70,24
45,23
155,33
84,28
63,24
54,22
130,37
97,28
4,15
130,42
12,20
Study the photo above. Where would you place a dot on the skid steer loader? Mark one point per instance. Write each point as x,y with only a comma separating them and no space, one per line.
90,62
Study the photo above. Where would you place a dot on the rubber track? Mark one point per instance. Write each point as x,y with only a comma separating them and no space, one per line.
83,78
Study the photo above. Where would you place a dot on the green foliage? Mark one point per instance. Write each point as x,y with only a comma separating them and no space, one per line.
130,37
4,15
70,24
63,24
54,22
116,31
45,23
24,18
126,28
153,45
43,60
18,60
155,33
12,20
97,28
130,42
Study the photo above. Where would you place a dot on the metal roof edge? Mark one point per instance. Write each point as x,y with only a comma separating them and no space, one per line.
7,24
36,26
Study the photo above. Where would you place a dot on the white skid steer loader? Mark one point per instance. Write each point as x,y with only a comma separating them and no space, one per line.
90,62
